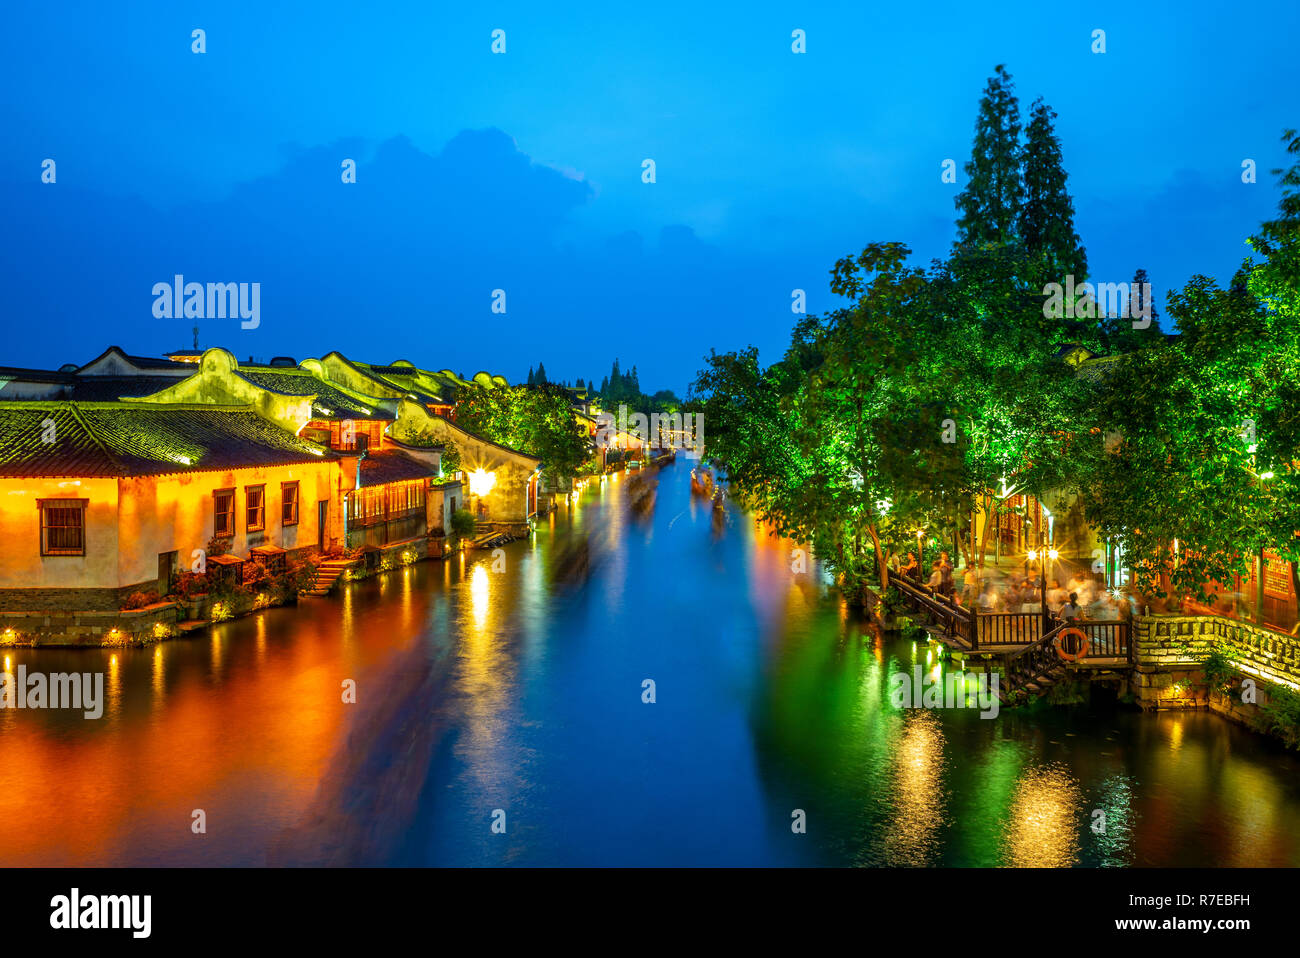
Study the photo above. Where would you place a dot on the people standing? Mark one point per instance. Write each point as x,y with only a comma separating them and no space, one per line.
945,575
1030,598
1056,597
1070,611
988,600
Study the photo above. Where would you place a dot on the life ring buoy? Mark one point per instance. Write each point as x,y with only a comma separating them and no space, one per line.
1083,644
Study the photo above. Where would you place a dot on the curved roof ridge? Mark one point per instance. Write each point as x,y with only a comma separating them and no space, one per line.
109,454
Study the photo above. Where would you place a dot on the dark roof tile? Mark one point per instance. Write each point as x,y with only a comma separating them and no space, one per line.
132,439
113,388
340,405
393,465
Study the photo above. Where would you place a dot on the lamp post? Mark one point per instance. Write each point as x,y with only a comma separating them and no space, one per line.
1042,591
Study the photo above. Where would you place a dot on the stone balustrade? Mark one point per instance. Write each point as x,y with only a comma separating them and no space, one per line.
1169,650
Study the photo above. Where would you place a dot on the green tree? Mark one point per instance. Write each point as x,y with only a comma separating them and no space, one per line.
538,422
990,204
1195,437
1129,330
1047,215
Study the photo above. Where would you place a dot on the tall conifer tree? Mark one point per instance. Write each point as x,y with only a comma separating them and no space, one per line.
990,204
1047,216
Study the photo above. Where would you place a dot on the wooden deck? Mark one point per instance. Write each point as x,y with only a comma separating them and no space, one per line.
1024,644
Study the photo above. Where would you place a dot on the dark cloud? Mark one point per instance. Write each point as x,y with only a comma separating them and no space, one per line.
403,262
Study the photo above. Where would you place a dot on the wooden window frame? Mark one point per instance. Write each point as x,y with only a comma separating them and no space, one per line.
80,505
260,488
297,502
216,531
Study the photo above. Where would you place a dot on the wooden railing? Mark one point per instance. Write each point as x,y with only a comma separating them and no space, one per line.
1009,628
1107,638
1033,660
955,620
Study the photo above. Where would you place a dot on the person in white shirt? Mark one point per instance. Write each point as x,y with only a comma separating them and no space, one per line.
1070,611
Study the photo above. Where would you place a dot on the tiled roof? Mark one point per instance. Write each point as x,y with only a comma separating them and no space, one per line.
427,399
393,465
407,371
35,375
289,382
113,388
140,362
415,381
133,439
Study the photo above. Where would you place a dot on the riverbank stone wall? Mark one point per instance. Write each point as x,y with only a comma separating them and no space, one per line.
1169,650
90,627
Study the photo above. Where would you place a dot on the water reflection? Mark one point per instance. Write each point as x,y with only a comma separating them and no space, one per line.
1042,824
1112,822
520,689
918,803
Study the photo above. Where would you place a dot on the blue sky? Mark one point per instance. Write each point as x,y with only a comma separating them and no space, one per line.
522,171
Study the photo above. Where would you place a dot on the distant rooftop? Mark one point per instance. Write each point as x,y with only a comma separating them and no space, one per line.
113,388
331,402
116,356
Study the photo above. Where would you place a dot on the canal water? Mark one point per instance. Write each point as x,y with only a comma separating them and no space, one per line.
509,688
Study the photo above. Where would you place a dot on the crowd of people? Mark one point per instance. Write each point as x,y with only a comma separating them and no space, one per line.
991,590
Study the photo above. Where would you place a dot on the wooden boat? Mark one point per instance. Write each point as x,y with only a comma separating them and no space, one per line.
641,492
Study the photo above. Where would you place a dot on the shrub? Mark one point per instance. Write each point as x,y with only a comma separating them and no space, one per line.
893,601
462,522
1218,670
1283,713
138,600
235,599
910,631
191,584
256,573
299,575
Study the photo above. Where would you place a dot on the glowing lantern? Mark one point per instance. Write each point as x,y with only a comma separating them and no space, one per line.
481,482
